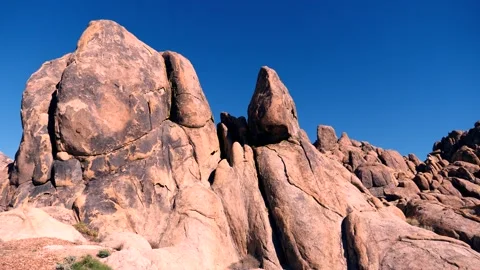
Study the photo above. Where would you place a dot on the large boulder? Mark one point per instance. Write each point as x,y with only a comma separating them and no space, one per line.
394,160
190,109
326,138
467,188
466,154
114,90
29,222
374,176
380,240
34,158
449,144
448,221
272,116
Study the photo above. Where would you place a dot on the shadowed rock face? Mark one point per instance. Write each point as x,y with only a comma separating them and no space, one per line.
123,137
34,158
6,188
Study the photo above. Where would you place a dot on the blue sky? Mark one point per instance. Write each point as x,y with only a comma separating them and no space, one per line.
399,74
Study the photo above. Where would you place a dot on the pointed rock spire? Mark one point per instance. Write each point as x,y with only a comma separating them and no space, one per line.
272,116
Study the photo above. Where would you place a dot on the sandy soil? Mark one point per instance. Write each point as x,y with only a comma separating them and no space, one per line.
30,254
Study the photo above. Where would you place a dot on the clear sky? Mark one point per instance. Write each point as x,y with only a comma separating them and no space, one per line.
399,74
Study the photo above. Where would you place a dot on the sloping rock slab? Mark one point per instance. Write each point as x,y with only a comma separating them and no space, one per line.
379,240
28,222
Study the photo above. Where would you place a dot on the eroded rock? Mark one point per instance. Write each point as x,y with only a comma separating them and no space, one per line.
326,138
272,116
446,221
34,157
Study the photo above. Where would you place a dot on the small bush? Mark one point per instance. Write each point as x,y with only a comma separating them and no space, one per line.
90,263
86,263
103,253
416,223
413,222
247,262
85,230
67,263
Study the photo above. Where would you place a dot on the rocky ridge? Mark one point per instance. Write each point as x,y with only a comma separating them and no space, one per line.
123,137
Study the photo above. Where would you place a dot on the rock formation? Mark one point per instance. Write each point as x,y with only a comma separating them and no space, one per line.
441,194
123,137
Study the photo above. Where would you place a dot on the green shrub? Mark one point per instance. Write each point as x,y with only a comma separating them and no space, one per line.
85,230
86,263
103,253
67,263
90,263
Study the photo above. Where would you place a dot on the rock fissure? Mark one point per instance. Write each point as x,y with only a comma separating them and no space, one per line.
293,184
276,233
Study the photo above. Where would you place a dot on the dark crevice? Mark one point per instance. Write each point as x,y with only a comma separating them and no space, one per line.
150,115
52,108
298,187
173,86
211,177
76,211
349,254
308,158
276,233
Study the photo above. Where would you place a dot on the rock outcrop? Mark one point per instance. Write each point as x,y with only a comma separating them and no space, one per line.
5,187
121,138
441,194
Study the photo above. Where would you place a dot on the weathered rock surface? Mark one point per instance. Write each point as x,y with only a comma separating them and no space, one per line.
111,75
449,221
272,116
121,137
375,177
34,158
393,159
126,241
29,222
448,178
62,214
237,186
326,138
379,240
296,180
